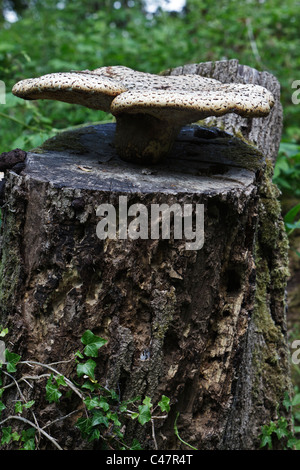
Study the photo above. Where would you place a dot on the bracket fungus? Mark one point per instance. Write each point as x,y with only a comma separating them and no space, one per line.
149,109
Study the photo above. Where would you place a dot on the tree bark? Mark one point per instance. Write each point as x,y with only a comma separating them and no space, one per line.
204,327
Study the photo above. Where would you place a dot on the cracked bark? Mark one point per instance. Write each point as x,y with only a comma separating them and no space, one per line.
204,327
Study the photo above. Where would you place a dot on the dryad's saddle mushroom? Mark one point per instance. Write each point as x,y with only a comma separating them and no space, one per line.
149,109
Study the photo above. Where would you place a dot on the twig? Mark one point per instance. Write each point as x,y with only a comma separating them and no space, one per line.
24,378
61,418
47,366
22,396
153,434
20,418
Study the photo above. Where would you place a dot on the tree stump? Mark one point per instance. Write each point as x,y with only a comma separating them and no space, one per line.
206,327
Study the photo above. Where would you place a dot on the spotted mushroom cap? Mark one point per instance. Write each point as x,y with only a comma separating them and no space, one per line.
176,99
90,90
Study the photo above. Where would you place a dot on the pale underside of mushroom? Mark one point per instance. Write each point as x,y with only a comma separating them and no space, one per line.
149,109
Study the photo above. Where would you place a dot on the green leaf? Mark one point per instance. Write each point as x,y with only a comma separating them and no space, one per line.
95,435
281,432
144,414
91,386
292,213
164,404
79,354
96,402
287,401
2,406
135,445
60,380
27,437
296,400
93,343
99,418
3,332
85,426
86,368
29,404
52,392
18,407
15,436
12,359
6,435
114,418
147,402
266,441
293,443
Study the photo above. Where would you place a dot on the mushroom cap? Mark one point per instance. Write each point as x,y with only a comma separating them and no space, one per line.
90,90
136,80
175,99
184,107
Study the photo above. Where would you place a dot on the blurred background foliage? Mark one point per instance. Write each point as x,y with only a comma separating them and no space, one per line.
43,36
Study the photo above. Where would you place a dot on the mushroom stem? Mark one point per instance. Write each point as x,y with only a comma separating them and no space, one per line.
142,138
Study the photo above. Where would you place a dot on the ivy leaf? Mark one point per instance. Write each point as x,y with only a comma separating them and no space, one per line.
144,411
29,404
86,368
95,434
296,400
6,435
52,392
135,445
96,402
286,402
28,439
78,354
60,380
2,406
114,418
12,360
85,426
99,418
18,407
266,440
90,386
93,343
164,404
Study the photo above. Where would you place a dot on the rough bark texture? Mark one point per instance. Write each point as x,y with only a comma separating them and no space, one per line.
205,327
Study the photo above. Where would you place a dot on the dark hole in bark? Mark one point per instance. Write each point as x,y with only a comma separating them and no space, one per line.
233,280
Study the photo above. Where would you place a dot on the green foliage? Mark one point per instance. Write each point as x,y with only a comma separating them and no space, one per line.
287,169
281,430
93,343
104,414
287,178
